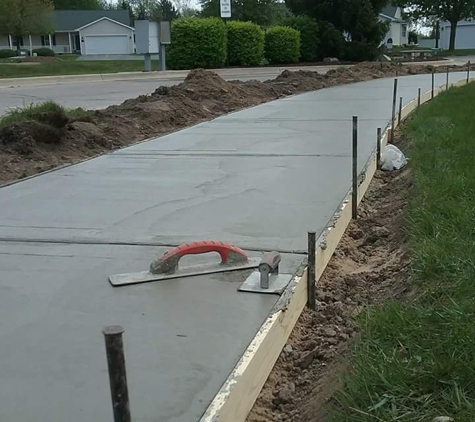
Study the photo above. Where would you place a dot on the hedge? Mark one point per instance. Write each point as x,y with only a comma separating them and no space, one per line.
332,41
245,43
197,43
282,45
309,40
357,51
44,52
5,54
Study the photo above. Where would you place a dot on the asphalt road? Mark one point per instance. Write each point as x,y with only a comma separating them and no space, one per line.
96,91
259,178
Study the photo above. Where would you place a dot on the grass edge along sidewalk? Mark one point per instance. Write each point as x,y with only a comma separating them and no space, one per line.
415,360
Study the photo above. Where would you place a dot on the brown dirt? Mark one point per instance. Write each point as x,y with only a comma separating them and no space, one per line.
28,148
369,265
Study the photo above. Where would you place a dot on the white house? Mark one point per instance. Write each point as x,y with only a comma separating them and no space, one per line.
464,35
82,31
398,33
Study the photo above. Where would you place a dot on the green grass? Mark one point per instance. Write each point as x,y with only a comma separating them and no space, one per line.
68,65
48,112
466,52
416,360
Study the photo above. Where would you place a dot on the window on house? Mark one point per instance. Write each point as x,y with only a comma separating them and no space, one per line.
15,41
404,31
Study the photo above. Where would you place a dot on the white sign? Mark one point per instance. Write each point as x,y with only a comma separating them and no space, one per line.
225,6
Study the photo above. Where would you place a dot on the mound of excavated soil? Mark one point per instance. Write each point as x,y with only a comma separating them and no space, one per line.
27,148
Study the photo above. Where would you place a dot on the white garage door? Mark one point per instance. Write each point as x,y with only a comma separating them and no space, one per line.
107,44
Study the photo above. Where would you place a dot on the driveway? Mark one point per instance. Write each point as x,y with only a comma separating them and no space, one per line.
114,57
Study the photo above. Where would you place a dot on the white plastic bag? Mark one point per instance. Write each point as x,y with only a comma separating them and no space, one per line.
392,158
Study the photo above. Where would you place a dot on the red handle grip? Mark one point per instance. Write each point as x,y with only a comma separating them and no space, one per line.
168,262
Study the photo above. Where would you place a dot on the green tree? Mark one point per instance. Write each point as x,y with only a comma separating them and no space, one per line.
25,17
452,11
358,19
78,4
262,12
163,10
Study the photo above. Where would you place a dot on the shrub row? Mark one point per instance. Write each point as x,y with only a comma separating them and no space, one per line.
5,54
210,43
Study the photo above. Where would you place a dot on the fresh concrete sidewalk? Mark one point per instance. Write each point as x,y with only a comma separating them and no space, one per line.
259,178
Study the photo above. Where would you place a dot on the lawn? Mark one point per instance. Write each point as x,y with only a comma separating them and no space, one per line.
68,65
466,52
415,360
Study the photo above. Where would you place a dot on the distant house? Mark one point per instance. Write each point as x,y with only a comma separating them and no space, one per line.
82,31
464,36
398,33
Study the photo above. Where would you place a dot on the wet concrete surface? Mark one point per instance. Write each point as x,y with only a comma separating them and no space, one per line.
259,178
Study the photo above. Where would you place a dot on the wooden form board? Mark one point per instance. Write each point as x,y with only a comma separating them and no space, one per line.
236,397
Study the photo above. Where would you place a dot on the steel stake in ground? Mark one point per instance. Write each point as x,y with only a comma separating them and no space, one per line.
419,97
354,190
432,92
400,111
311,278
393,115
447,79
117,374
378,148
468,71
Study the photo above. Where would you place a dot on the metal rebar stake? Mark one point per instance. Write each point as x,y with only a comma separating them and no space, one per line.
400,111
311,273
393,115
468,71
354,190
447,79
378,148
419,97
432,92
117,374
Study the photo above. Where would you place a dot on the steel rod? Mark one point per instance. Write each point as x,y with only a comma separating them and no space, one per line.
447,79
432,92
378,148
117,373
468,71
393,115
354,190
311,273
400,111
419,97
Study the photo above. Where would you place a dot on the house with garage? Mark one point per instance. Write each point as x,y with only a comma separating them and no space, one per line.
398,33
85,32
464,34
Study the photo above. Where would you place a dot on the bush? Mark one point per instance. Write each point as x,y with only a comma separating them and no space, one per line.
413,37
5,54
358,51
197,42
44,52
282,45
331,41
245,43
309,40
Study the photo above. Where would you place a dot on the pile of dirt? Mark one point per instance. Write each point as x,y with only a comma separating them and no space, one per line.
369,266
26,148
